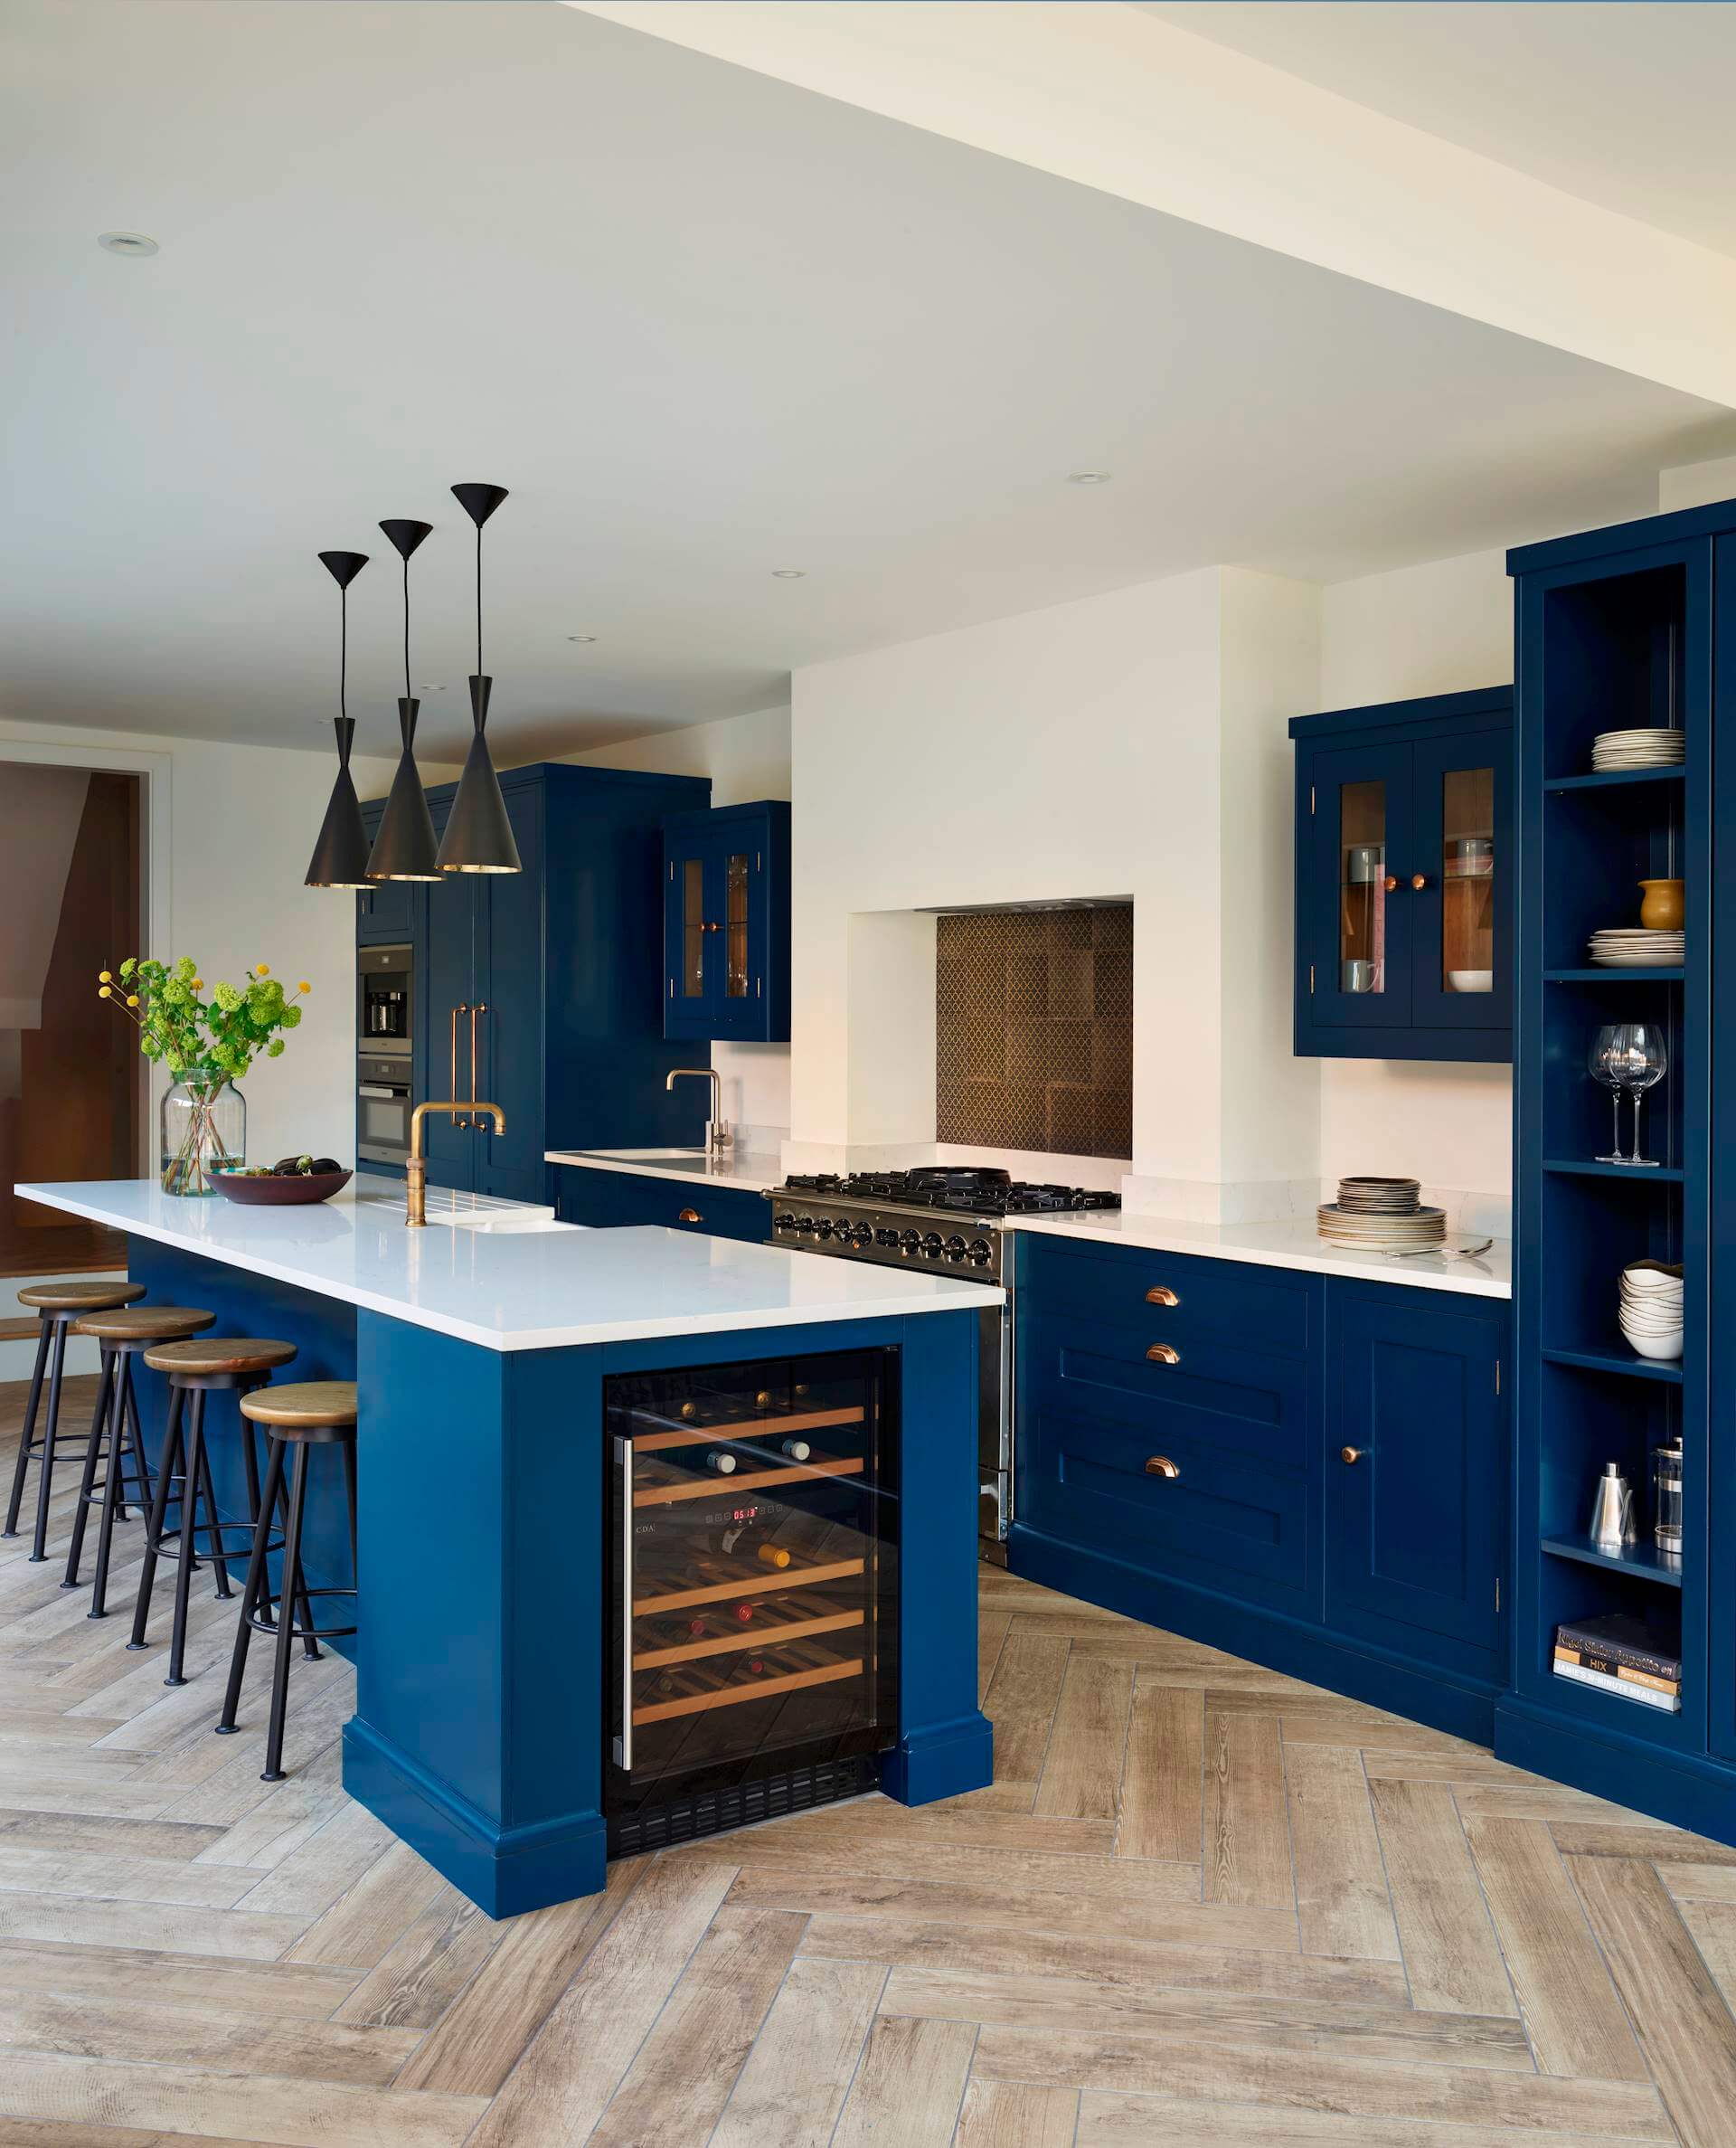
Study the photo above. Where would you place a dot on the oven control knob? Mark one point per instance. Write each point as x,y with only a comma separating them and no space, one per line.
980,1250
827,1227
931,1246
911,1241
955,1244
956,1252
980,1260
785,1221
885,1237
861,1234
805,1224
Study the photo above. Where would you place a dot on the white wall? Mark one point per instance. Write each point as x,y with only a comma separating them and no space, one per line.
746,757
242,824
1437,629
1080,751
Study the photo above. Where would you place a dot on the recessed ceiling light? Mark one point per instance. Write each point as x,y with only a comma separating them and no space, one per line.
1088,477
788,573
128,242
582,638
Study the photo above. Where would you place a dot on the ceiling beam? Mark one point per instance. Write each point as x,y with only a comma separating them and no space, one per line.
1116,99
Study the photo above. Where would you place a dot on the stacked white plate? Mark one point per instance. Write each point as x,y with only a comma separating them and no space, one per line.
1651,1308
1633,947
1652,747
1381,1215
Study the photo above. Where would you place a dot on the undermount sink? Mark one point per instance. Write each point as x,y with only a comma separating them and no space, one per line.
506,1226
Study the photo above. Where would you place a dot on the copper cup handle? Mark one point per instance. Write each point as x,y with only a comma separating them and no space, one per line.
1163,1353
689,1215
1160,1293
1419,880
1160,1465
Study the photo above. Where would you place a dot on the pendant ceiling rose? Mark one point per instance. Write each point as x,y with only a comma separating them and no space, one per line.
340,857
478,833
405,848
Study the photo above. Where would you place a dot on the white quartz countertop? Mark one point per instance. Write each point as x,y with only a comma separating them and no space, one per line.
692,1167
1294,1244
535,1288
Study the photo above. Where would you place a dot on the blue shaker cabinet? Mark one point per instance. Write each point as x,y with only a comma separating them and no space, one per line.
726,923
605,1201
1403,879
538,990
1182,1431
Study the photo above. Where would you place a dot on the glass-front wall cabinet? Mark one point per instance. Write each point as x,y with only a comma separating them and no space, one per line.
1402,909
726,935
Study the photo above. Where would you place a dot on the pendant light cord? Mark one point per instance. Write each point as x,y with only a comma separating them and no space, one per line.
478,599
343,650
407,692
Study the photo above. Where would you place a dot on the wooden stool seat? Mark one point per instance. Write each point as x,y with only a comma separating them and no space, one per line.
220,1356
139,1324
79,1297
317,1409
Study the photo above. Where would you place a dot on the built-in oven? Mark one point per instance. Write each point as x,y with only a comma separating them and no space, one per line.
383,1109
384,1001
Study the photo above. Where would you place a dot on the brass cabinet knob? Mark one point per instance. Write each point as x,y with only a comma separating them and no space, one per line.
1391,883
1160,1465
1419,880
690,1215
1349,1454
1163,1353
1160,1293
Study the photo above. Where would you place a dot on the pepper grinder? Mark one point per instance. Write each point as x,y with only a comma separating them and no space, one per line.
1612,1512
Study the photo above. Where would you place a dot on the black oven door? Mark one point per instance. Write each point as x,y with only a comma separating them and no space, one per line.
382,1108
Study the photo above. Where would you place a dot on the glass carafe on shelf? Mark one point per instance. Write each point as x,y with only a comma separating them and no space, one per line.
1667,1501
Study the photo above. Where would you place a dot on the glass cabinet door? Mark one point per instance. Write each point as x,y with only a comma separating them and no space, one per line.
754,1553
1459,886
737,963
1359,943
689,912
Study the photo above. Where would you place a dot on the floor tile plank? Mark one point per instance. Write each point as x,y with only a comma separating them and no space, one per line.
1342,1907
1449,1947
1021,1701
799,2073
1247,1824
1083,1767
908,2086
1163,1781
1013,2114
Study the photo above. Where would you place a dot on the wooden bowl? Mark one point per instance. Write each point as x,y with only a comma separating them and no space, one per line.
297,1192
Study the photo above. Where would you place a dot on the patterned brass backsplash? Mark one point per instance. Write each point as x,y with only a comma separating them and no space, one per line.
1033,1026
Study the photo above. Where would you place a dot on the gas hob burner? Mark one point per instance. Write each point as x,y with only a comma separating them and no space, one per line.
966,1189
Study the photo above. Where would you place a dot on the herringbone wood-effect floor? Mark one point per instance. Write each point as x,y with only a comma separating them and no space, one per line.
1200,1904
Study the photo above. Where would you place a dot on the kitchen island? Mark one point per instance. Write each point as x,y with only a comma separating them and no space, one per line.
502,1375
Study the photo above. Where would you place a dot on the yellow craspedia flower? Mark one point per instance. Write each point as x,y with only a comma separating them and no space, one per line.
103,992
132,998
262,969
104,978
198,984
304,986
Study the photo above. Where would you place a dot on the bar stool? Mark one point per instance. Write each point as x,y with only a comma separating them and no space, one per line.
219,1364
123,1334
320,1413
57,1305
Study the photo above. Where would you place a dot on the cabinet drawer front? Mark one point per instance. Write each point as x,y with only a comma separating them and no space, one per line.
1220,1519
1269,1308
1223,1396
604,1199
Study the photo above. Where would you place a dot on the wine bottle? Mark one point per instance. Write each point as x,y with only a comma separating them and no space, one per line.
797,1449
771,1555
721,1460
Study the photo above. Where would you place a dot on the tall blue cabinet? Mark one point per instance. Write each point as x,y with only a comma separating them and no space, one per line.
1623,628
541,990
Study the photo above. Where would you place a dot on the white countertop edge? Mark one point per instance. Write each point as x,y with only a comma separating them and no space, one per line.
1305,1252
747,1174
962,1295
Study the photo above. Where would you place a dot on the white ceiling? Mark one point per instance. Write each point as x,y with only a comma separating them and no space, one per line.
703,325
1626,103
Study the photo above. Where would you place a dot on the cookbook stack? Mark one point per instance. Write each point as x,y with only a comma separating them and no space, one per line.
1381,1215
1622,1655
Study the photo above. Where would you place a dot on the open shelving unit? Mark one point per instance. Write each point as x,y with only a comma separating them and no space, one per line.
1615,631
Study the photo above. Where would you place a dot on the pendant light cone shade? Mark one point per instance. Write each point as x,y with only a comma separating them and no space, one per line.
478,834
405,848
340,857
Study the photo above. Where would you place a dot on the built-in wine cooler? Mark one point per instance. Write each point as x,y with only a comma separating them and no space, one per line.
752,1657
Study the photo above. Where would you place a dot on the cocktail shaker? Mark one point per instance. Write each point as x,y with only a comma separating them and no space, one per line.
1612,1512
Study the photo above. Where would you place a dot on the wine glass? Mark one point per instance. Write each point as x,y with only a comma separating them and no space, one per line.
1604,1063
1643,1060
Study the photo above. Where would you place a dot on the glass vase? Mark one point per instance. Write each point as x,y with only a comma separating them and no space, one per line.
203,1131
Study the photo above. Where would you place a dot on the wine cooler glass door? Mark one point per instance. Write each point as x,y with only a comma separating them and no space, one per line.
754,1542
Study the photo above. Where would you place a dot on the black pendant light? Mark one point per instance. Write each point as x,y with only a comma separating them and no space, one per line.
404,849
340,857
478,834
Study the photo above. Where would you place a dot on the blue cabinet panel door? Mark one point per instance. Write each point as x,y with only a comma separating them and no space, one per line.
1415,1473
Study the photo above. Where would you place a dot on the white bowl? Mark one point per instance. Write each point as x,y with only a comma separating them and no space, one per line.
1663,1347
1471,981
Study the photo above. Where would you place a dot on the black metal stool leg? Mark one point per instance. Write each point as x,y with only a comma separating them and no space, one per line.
192,1476
110,1492
216,1553
141,1466
159,1515
44,1486
25,1437
92,1448
255,1587
273,1770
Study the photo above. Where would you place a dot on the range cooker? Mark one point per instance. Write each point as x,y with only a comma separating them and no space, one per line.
947,1217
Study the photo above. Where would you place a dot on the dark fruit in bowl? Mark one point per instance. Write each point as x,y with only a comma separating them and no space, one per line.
300,1166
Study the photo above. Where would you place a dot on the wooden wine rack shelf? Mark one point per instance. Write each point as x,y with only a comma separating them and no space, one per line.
738,1696
753,1429
714,1488
749,1583
828,1621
